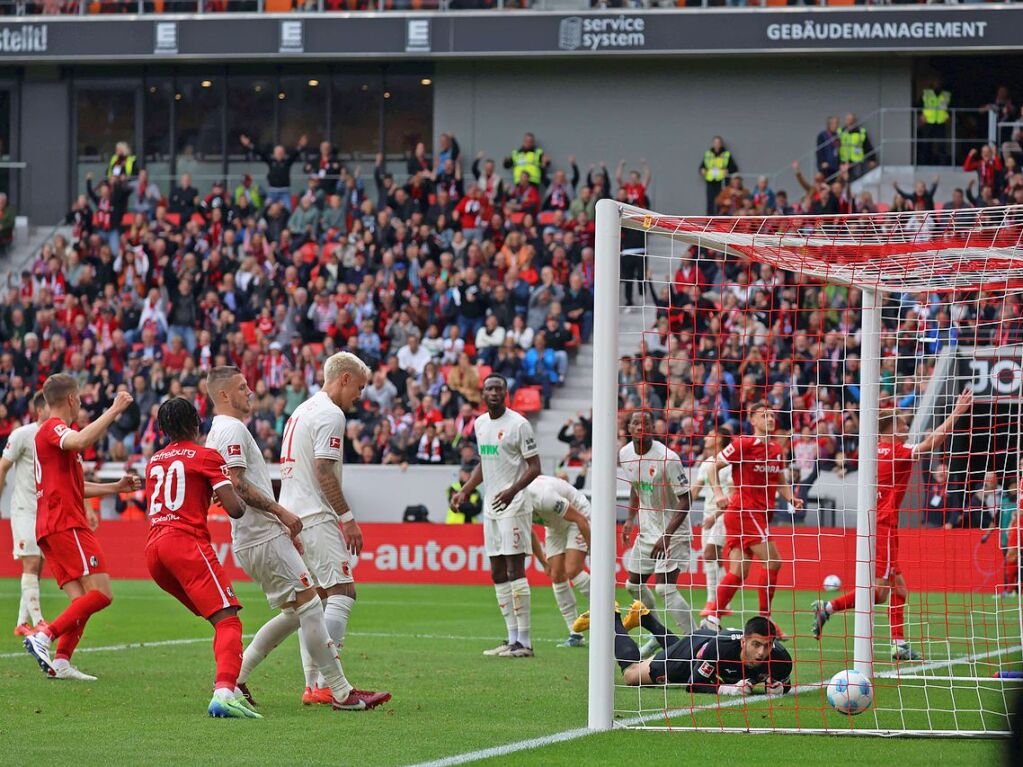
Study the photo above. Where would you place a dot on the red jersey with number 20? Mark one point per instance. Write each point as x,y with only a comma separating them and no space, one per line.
758,466
894,466
180,481
60,481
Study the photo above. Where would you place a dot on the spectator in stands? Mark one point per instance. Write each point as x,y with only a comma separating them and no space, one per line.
7,219
635,187
988,165
464,380
577,433
828,145
145,195
764,199
856,152
528,159
715,168
123,164
278,162
184,198
489,180
489,339
540,368
921,193
412,357
577,304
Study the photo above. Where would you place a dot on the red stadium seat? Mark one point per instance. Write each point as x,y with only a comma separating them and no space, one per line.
248,330
547,218
174,219
528,400
577,337
484,371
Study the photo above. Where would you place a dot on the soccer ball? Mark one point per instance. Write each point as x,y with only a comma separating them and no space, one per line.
850,692
832,583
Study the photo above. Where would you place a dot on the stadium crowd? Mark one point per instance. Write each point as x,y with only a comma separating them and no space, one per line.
432,282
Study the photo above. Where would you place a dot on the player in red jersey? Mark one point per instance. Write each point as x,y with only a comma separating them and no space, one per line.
180,481
895,461
64,526
759,471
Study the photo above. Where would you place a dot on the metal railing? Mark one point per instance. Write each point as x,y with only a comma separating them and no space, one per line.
114,7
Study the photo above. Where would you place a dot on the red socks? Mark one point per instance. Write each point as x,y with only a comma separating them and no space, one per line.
766,592
897,617
227,649
70,624
844,602
726,590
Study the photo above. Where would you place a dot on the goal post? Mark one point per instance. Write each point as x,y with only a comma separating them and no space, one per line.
938,299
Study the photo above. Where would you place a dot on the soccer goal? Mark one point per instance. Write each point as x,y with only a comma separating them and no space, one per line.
861,333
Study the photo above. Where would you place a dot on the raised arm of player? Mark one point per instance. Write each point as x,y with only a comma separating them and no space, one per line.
572,514
230,500
937,437
129,483
532,471
76,441
256,499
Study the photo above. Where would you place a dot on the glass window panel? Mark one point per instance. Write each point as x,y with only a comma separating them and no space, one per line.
408,113
156,129
355,114
250,110
104,117
198,139
303,109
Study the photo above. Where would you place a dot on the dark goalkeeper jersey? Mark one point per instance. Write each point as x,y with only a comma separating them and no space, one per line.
705,659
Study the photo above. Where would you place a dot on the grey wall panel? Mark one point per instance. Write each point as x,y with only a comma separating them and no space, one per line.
46,147
769,111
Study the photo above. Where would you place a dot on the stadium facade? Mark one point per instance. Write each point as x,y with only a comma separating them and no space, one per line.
658,84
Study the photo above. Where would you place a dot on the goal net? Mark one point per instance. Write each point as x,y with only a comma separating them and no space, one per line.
860,333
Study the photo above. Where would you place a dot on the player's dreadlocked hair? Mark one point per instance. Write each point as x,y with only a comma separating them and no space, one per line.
178,419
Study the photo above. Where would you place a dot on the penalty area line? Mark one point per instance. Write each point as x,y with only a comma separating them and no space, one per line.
581,732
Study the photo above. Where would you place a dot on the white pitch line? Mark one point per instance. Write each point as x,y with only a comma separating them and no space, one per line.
560,737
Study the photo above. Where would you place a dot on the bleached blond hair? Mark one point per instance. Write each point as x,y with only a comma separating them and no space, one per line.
344,362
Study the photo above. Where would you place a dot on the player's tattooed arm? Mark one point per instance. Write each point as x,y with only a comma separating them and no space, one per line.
330,485
256,499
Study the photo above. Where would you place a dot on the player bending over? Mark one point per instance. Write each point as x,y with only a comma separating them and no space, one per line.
713,515
758,471
20,455
895,461
263,545
180,481
566,517
311,454
727,663
64,526
659,497
508,463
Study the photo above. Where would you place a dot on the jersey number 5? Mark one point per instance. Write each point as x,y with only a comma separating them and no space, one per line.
171,481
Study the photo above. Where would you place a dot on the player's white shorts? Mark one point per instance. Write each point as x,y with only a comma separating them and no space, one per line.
557,540
23,531
716,535
278,568
328,559
679,556
508,535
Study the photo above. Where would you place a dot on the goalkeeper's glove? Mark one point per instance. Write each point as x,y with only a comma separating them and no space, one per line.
774,688
745,687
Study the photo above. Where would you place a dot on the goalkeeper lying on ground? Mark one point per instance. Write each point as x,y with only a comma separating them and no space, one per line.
726,663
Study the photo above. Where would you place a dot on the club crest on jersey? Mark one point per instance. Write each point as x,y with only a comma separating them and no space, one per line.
225,472
335,443
305,580
234,449
93,561
230,592
652,471
500,435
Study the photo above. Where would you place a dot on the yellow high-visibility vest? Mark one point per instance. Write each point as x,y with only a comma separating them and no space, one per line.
715,166
851,144
129,165
528,161
936,106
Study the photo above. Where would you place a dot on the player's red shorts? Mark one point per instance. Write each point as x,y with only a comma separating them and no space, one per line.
887,556
743,530
188,569
72,554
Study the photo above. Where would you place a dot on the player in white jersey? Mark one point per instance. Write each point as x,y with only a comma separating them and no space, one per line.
508,463
565,513
659,497
20,455
311,453
264,547
713,515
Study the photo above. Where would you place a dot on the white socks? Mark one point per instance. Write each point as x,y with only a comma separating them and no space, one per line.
713,571
320,648
641,592
28,610
565,598
582,582
270,634
521,607
504,603
336,611
677,607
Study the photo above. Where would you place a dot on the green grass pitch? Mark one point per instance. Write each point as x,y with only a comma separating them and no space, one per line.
423,643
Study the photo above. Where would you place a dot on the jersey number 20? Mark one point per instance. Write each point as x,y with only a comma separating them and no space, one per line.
171,483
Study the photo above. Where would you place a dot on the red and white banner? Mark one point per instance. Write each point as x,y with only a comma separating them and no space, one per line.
932,560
